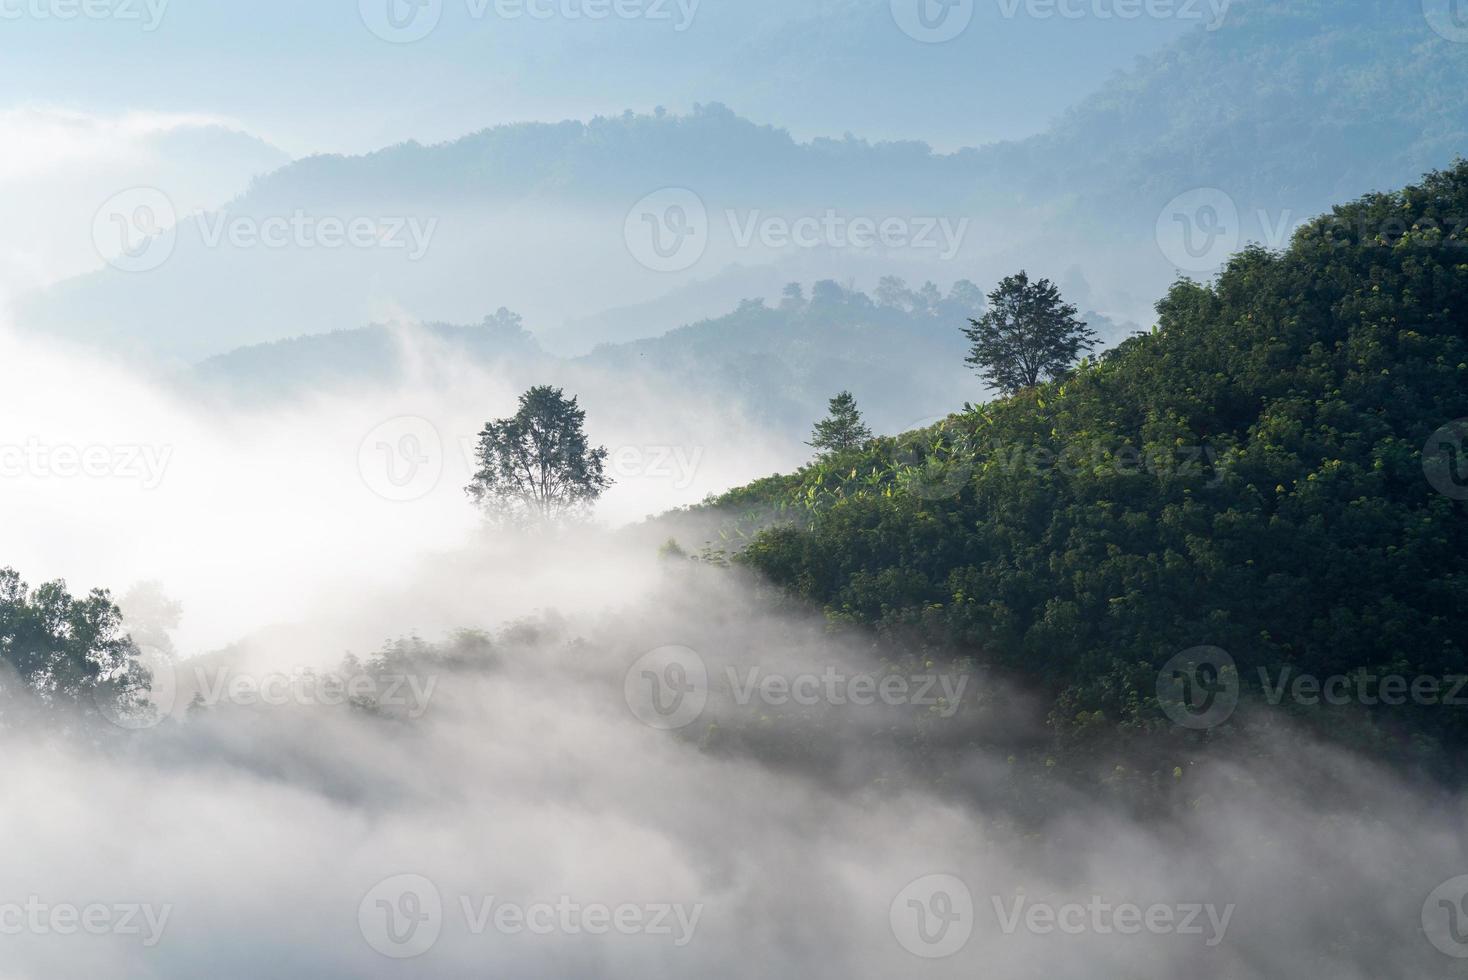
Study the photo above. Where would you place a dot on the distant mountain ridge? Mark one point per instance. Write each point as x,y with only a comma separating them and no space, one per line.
772,361
1301,104
1302,101
1283,109
711,149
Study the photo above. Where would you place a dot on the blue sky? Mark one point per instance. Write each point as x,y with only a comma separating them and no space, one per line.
310,76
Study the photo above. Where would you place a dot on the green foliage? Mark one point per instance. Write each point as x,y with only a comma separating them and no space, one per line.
1028,335
536,468
843,430
1249,475
60,653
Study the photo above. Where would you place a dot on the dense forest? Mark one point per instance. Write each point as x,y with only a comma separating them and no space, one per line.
1259,474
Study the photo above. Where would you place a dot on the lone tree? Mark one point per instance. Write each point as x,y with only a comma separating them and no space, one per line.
536,468
843,429
1028,335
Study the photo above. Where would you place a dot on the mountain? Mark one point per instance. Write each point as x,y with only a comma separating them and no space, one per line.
901,352
76,163
1275,473
1226,135
377,356
772,361
1292,105
508,217
698,300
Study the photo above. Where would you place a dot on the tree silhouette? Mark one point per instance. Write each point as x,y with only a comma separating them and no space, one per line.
536,467
1028,335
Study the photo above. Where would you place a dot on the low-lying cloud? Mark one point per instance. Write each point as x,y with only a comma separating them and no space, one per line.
597,761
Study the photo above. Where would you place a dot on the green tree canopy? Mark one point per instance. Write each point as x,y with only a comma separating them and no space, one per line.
1028,335
63,653
536,468
843,430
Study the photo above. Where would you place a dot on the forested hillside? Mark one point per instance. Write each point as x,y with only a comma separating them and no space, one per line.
1268,472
